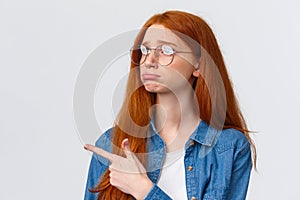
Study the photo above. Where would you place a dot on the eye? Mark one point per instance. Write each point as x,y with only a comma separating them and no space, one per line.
167,50
144,50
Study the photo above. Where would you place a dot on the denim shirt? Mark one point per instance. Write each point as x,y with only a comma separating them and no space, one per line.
217,164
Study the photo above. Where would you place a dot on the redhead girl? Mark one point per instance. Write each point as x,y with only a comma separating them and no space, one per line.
180,133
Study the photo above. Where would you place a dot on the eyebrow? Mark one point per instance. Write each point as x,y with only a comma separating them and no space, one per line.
161,42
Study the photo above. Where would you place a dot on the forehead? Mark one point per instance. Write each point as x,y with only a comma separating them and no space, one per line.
156,34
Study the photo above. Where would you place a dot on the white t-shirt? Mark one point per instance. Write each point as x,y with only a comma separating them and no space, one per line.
172,177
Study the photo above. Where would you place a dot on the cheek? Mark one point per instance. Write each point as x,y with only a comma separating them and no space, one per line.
184,69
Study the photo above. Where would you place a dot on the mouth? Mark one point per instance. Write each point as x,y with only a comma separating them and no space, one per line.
150,76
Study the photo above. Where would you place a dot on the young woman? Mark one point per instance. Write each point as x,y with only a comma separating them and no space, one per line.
180,133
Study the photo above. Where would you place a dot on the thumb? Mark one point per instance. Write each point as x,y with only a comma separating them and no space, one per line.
126,148
130,155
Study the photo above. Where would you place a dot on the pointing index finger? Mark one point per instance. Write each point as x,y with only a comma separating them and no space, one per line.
101,152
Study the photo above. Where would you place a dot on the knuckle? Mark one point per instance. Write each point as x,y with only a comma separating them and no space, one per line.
111,181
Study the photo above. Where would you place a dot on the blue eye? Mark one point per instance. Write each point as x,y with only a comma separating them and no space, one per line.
167,50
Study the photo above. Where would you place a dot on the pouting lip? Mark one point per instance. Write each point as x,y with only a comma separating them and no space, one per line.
150,76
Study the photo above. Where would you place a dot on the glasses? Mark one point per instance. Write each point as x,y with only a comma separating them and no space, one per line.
163,54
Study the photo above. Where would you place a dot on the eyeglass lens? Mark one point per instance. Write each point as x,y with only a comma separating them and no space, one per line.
163,55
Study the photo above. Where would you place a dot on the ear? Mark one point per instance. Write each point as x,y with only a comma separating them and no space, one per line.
196,71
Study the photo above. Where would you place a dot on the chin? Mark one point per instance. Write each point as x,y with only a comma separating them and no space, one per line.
152,87
155,88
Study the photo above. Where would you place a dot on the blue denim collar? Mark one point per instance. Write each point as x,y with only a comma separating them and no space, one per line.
204,134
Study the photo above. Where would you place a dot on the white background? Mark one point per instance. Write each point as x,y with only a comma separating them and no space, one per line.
43,45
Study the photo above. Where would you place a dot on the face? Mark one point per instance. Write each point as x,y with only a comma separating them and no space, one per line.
158,78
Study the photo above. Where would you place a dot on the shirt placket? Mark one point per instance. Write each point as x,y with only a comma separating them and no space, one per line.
190,171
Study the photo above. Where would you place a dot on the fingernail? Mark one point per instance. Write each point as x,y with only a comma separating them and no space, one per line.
85,147
126,142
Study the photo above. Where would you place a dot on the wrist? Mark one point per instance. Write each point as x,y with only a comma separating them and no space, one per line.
144,189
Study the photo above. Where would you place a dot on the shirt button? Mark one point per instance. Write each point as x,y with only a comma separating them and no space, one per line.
192,143
193,198
190,168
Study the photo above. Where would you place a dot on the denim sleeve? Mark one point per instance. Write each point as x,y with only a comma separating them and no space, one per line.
98,165
157,193
93,178
240,174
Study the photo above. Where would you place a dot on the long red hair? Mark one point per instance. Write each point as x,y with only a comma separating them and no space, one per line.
217,103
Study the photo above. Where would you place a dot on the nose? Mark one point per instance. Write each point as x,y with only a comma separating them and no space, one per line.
151,60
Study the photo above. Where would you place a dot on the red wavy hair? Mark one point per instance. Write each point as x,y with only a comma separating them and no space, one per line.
215,95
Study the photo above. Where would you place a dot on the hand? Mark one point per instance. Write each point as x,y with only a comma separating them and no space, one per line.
126,173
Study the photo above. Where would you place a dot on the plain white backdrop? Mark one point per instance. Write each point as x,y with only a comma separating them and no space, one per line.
43,45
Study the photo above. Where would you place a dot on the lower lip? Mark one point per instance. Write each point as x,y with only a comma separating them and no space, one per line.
149,76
